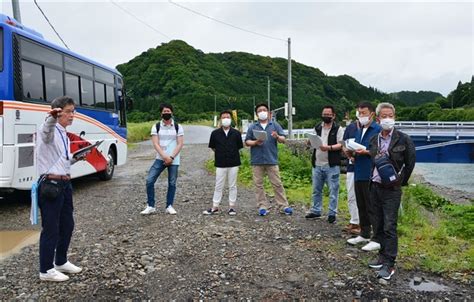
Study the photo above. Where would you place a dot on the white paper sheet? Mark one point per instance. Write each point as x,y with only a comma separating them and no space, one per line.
315,140
353,146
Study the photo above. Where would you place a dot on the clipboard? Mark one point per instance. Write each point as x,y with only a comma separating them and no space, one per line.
260,135
79,153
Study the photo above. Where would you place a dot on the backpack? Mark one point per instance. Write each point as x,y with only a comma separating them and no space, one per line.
158,125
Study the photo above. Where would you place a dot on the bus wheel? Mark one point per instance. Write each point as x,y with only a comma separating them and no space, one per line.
109,171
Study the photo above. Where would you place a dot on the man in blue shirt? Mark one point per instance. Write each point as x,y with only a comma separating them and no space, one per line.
362,174
264,159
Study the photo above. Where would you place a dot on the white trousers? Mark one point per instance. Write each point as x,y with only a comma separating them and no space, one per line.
351,198
221,175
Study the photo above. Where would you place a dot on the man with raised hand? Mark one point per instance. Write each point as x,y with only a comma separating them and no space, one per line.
264,159
54,161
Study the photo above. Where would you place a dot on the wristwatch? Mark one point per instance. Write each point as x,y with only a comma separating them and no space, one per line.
172,157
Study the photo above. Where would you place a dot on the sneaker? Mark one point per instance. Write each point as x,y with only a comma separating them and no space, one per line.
312,215
170,210
288,211
53,275
386,272
332,219
68,268
232,212
262,212
148,210
376,263
357,240
371,246
210,211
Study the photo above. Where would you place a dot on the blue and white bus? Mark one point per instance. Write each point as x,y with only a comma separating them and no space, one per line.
33,72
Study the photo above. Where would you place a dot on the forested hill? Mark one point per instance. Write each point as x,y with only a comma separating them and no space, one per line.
178,73
413,98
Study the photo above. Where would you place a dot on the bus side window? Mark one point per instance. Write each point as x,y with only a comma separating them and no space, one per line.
110,96
32,75
54,83
87,93
99,95
72,87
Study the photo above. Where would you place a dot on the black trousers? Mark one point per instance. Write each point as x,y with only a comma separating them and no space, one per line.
386,202
367,214
57,225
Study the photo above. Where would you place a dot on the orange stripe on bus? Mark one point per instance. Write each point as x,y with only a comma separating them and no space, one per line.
45,108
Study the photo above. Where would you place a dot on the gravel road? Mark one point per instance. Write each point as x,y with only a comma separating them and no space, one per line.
126,256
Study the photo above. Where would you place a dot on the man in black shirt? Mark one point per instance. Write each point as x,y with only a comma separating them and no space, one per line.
226,143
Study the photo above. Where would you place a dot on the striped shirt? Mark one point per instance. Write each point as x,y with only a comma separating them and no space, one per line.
168,139
53,154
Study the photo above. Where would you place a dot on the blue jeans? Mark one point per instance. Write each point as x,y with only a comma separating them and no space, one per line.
330,176
153,174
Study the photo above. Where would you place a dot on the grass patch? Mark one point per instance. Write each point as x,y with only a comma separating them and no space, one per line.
137,132
434,235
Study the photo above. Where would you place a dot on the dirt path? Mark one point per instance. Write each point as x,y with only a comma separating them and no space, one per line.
191,256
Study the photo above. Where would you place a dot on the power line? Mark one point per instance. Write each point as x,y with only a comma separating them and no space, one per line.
225,23
140,20
44,15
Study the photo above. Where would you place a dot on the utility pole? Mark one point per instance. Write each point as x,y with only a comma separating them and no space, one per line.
290,101
268,93
215,111
16,10
253,108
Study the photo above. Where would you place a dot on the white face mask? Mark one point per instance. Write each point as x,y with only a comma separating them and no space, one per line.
262,115
387,123
226,122
364,120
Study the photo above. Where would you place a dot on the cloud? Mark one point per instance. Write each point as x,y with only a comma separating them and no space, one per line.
391,46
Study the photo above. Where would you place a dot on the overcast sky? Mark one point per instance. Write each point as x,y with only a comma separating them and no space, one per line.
392,46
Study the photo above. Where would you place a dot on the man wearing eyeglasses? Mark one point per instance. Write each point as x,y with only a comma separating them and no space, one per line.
54,161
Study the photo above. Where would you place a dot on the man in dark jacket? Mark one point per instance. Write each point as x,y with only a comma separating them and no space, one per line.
385,191
226,143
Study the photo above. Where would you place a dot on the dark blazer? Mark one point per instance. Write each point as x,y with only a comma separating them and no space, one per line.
402,152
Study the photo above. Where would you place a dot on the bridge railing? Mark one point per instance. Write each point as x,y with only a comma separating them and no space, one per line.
428,129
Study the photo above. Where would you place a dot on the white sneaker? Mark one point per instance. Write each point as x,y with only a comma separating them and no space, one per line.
357,240
170,210
371,246
53,275
148,210
68,268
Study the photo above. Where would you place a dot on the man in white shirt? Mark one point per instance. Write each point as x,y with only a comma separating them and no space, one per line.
168,139
54,161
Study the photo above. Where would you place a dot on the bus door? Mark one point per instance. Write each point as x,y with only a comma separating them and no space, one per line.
25,168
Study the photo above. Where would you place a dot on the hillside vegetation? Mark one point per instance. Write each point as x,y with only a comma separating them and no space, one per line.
198,83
